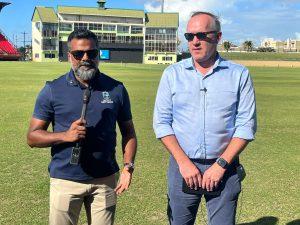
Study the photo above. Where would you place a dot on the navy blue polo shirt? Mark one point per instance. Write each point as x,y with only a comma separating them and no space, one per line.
60,102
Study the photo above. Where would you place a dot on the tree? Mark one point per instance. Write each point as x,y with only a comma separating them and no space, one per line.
227,45
265,49
248,46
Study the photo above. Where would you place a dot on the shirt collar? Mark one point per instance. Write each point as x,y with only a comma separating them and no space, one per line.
189,63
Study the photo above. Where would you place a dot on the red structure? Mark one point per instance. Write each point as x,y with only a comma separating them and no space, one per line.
7,50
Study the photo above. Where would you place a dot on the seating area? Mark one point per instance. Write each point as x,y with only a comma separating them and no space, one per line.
7,50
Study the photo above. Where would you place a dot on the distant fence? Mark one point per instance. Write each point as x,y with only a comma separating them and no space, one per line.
285,64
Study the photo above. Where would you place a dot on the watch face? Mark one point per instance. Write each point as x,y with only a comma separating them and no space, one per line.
222,162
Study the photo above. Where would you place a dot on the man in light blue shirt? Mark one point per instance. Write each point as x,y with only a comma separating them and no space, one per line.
205,116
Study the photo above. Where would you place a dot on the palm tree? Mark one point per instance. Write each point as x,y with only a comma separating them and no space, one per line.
227,45
248,46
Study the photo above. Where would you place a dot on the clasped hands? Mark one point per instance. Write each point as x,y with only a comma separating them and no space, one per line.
195,180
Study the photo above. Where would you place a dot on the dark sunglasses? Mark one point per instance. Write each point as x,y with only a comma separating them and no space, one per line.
199,35
78,54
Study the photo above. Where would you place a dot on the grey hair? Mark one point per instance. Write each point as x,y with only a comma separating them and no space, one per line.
217,25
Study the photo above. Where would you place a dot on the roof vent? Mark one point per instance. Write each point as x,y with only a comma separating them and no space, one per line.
101,4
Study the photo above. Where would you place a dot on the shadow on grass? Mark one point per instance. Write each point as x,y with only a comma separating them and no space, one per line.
294,222
268,220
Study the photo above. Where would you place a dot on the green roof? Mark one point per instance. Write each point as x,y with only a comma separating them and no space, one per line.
44,14
100,12
162,20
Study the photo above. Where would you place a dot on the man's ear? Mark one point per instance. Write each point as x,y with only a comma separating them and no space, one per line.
69,56
219,36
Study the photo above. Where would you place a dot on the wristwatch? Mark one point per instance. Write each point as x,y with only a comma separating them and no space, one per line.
129,166
222,162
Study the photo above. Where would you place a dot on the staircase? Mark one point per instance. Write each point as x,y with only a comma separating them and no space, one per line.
7,50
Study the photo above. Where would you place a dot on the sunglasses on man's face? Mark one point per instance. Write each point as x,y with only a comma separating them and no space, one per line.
199,35
78,54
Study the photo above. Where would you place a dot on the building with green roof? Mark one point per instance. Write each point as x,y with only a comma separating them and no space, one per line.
124,35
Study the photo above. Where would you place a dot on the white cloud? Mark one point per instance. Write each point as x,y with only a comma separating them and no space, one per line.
186,7
241,19
225,21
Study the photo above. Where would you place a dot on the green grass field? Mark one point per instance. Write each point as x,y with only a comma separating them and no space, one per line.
261,56
270,191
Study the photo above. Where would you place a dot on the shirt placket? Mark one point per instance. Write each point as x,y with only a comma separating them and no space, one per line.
202,91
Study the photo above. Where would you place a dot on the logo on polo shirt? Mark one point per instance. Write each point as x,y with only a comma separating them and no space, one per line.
106,97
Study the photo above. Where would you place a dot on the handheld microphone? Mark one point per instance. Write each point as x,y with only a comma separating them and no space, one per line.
77,149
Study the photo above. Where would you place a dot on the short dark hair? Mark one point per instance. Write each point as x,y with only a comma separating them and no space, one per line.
216,19
82,34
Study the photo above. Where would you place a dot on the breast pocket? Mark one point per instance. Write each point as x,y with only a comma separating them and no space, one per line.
183,99
222,100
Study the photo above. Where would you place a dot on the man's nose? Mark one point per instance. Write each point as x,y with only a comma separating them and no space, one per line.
196,40
85,57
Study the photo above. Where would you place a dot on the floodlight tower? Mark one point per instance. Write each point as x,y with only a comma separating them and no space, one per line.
3,4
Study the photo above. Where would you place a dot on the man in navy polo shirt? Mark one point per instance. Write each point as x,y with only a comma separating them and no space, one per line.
92,181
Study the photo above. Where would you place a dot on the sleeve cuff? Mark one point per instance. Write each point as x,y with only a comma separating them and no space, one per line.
162,132
244,133
41,117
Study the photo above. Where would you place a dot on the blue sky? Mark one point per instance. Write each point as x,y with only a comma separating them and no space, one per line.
241,19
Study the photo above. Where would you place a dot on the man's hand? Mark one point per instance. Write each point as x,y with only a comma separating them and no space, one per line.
191,174
76,131
124,181
212,177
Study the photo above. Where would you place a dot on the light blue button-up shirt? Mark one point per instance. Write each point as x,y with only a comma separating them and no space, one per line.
205,112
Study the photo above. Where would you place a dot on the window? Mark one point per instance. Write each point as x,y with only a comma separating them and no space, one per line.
167,58
78,26
123,39
162,31
38,26
49,55
123,29
136,30
107,27
37,42
153,58
137,40
106,38
49,44
95,26
37,55
50,30
65,27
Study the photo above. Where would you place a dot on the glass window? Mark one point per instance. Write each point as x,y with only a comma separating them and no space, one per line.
49,55
65,27
107,27
106,38
95,26
50,30
123,29
136,30
80,26
167,58
49,44
38,26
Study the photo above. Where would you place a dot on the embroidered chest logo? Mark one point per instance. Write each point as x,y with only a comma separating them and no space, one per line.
106,97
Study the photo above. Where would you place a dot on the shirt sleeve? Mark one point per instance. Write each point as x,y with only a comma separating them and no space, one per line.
163,117
43,109
124,113
246,122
